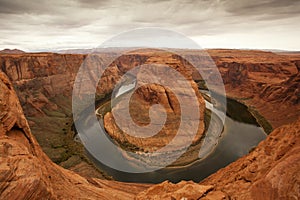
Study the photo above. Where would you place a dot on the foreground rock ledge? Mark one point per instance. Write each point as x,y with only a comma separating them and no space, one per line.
271,171
27,173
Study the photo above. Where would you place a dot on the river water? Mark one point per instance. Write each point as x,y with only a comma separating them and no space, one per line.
239,136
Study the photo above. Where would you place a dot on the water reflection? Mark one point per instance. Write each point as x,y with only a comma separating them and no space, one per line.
238,137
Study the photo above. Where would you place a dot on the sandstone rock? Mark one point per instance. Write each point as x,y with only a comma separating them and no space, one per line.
27,173
236,74
270,171
147,95
183,190
263,81
260,81
44,84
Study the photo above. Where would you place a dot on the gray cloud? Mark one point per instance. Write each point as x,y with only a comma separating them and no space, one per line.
86,23
29,7
95,3
274,8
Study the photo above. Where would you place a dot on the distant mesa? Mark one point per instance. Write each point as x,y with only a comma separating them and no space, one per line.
95,50
12,51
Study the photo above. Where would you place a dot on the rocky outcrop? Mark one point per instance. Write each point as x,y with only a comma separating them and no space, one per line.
38,78
147,95
12,51
27,173
182,190
41,78
236,74
270,171
44,84
264,81
287,92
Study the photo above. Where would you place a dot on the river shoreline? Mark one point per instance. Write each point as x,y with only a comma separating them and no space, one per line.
194,160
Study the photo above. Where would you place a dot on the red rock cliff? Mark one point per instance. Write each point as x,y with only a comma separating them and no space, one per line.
270,171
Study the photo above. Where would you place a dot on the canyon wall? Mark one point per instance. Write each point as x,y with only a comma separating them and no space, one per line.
27,173
44,80
44,84
266,82
270,171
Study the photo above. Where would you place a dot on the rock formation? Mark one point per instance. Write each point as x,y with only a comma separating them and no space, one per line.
44,84
12,51
262,81
27,173
268,83
270,171
147,95
182,190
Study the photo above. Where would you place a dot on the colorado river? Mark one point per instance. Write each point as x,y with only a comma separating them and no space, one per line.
237,139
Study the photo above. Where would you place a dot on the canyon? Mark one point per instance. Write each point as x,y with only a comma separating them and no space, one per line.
266,82
173,93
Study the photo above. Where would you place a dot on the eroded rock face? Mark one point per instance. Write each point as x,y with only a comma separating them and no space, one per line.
182,190
252,75
285,92
147,95
270,171
264,81
44,84
27,173
40,77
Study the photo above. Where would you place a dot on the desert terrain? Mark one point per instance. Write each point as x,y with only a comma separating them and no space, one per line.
40,157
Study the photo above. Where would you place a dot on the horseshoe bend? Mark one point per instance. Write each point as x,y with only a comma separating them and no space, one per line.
255,156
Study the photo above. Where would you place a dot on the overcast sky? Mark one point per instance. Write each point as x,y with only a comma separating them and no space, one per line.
63,24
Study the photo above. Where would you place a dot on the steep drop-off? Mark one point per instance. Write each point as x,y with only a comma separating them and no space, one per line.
266,82
271,171
27,173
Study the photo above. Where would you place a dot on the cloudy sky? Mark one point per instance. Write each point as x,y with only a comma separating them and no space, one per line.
62,24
